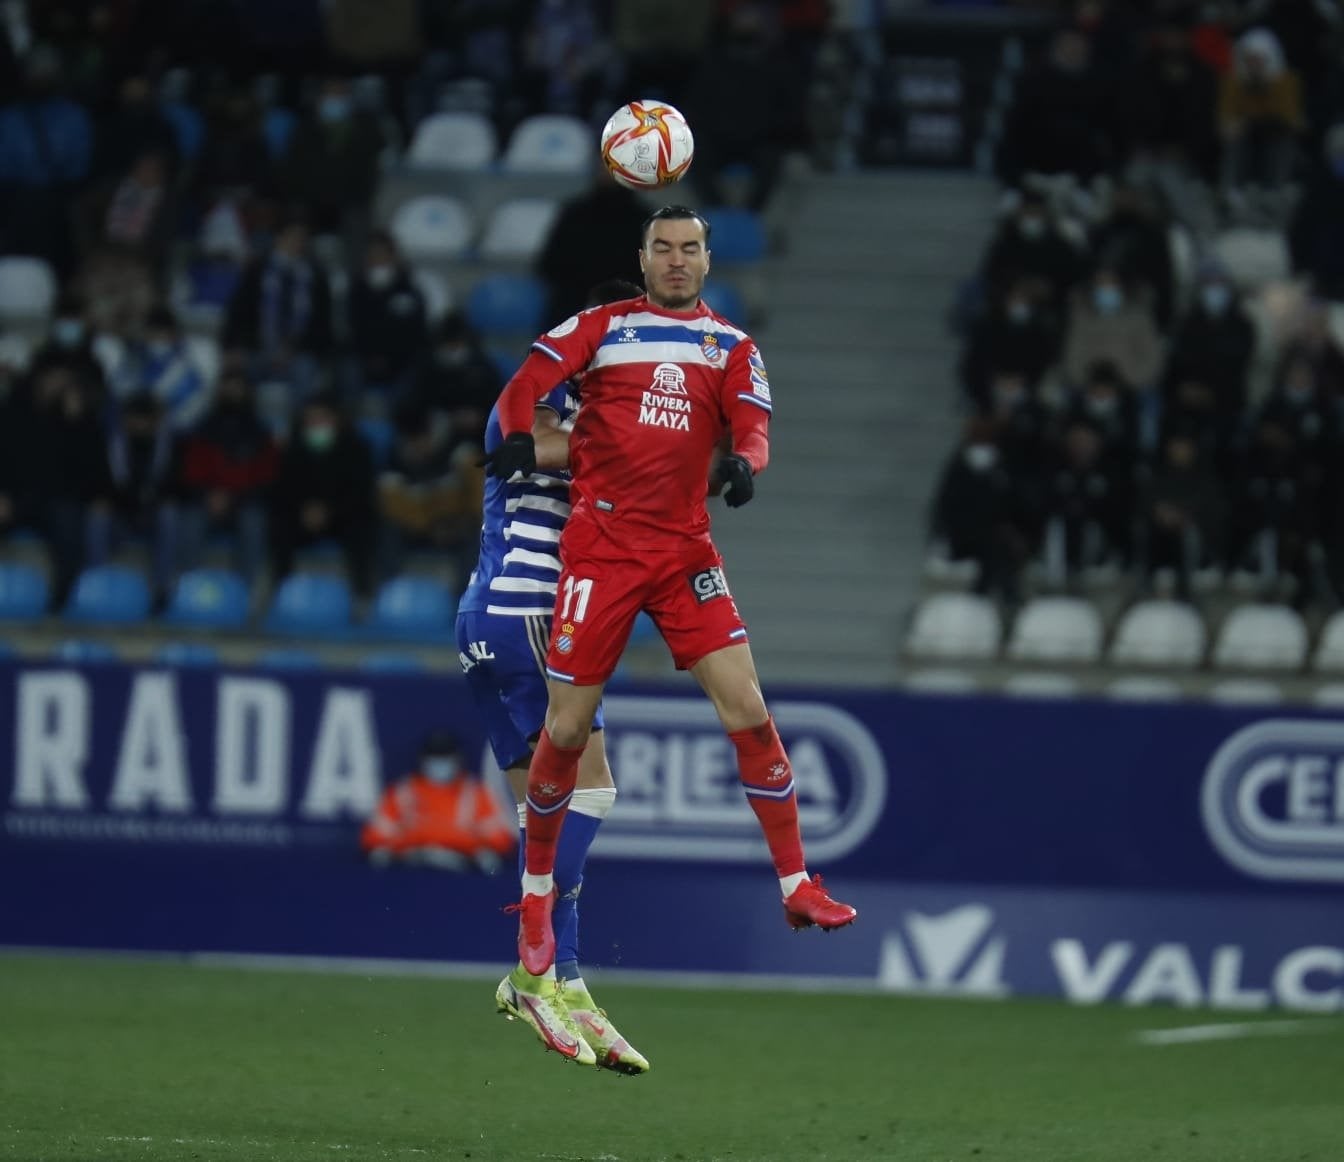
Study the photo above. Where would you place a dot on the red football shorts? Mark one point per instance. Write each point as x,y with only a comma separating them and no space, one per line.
599,597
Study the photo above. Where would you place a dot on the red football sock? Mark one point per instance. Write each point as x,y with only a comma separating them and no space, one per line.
767,779
550,782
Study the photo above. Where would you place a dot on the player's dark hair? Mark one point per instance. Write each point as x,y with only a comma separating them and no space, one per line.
673,213
614,290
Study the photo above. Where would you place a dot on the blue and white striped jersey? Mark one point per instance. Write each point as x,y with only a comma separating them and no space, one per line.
519,564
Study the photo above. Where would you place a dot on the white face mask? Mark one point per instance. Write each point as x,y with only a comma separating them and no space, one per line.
1216,298
440,770
1019,312
981,457
1032,226
1107,299
380,277
1102,406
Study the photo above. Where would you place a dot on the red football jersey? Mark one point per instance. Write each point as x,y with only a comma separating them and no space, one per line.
659,389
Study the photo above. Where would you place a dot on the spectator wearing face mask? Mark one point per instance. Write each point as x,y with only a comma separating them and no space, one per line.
387,321
1316,233
325,491
1030,245
1108,407
1088,501
227,466
162,365
1108,322
1181,513
1260,113
461,381
982,513
1133,237
1214,344
441,814
1021,334
69,345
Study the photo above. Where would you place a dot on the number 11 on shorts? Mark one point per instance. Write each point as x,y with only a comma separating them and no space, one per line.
577,592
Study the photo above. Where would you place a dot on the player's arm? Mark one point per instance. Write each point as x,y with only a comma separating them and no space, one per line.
551,438
747,404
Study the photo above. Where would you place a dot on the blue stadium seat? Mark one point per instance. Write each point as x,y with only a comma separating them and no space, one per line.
23,591
188,128
507,304
109,595
79,651
413,607
311,604
187,654
380,435
736,235
725,299
277,127
506,363
212,598
288,659
391,662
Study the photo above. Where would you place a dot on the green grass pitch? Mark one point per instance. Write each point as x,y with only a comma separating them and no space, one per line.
108,1058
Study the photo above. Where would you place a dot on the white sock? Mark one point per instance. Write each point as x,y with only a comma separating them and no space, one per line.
576,982
538,885
789,884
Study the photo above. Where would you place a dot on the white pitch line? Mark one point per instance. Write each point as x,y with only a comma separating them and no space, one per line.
1231,1031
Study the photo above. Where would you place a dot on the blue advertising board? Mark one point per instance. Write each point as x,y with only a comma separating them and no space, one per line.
1186,853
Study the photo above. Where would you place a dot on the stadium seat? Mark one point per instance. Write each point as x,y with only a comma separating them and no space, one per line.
1261,637
724,299
187,654
1167,634
188,128
27,289
736,235
1056,629
23,591
380,434
506,363
518,228
1330,695
1329,656
1245,692
438,294
462,141
503,304
1141,688
1037,685
940,682
391,662
549,143
209,598
288,659
1253,257
413,607
432,226
80,650
311,604
109,595
964,626
277,127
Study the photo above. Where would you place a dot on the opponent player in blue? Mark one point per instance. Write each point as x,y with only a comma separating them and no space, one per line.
503,629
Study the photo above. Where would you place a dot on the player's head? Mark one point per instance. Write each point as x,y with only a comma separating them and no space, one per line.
614,290
674,256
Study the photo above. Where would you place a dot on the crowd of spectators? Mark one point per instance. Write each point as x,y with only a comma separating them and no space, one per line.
1135,399
204,166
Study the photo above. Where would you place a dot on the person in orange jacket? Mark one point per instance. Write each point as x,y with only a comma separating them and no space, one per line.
441,814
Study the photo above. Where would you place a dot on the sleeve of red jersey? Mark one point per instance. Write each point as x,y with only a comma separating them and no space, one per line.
746,403
559,354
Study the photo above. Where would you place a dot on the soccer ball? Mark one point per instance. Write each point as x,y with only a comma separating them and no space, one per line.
647,144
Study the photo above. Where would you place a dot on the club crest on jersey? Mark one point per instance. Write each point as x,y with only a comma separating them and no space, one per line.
669,379
711,350
760,382
564,643
568,327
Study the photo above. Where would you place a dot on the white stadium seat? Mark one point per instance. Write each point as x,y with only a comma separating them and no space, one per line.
438,294
1245,692
1037,685
940,682
550,143
1329,656
1056,629
1261,637
955,625
432,226
1330,695
462,141
1253,257
27,288
1142,688
203,351
1159,633
518,228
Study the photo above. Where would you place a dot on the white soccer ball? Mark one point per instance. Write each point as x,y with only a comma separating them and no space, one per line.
647,144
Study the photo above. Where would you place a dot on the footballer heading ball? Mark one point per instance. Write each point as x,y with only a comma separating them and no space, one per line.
646,144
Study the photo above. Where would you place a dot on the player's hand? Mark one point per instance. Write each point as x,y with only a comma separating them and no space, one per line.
517,453
739,485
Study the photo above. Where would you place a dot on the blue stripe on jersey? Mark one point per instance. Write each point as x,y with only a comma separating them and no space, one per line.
519,561
672,333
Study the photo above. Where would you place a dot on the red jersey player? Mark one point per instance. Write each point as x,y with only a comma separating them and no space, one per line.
663,379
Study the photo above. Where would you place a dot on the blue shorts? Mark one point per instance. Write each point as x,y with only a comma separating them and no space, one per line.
504,660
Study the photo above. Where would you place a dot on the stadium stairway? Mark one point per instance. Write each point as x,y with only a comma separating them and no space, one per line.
826,562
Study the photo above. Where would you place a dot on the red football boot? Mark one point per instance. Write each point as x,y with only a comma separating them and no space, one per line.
809,905
536,937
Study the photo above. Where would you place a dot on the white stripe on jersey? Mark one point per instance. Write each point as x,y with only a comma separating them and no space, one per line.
519,610
530,532
649,319
559,508
670,352
528,557
521,585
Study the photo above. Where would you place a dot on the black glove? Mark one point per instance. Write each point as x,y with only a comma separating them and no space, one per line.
738,485
517,453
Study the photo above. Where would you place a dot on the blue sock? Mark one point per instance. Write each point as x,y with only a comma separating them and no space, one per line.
576,837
